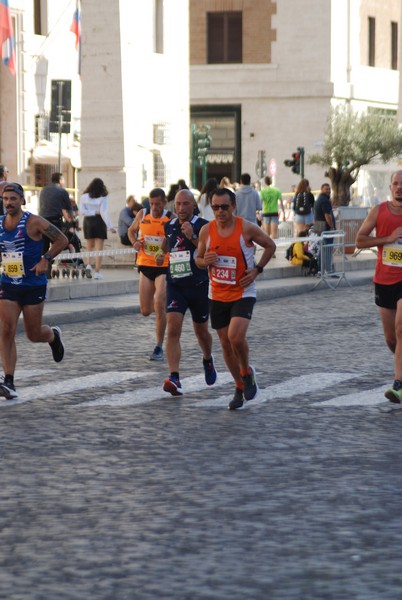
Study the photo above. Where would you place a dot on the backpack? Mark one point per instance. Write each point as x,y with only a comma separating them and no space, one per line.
289,253
302,205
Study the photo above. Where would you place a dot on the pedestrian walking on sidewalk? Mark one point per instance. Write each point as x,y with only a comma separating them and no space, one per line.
186,288
23,282
95,210
386,220
226,248
146,235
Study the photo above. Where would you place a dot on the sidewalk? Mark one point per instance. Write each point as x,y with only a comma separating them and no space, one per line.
84,299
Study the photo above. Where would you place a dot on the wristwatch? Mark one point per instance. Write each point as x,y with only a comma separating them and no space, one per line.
194,236
259,269
47,256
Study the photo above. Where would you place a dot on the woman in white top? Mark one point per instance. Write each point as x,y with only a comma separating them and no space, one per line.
204,200
94,209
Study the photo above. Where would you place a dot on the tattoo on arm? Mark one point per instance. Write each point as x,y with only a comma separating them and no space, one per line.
52,232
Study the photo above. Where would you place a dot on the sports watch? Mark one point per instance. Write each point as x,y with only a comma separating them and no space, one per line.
47,256
194,236
259,268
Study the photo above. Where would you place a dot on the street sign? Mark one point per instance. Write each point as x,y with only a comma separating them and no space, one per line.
272,167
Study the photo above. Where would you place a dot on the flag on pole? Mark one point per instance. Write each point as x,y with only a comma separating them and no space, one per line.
76,29
7,36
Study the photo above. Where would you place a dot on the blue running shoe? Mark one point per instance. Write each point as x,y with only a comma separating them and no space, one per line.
157,354
209,370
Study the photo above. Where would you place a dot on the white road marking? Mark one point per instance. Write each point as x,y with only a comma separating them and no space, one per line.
293,389
366,398
69,386
146,395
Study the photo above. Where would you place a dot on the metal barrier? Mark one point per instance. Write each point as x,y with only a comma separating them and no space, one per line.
331,262
285,229
92,253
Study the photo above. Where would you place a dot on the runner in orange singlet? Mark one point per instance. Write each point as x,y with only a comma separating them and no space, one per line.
227,248
386,219
146,235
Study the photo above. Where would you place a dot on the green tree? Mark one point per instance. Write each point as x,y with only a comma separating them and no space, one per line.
353,140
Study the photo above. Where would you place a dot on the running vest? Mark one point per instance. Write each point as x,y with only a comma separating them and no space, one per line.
182,267
19,253
152,232
388,268
235,256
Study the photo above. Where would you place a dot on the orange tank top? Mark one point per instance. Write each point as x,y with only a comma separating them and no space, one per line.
235,256
152,232
389,261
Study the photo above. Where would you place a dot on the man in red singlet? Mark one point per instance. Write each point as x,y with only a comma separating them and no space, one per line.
227,249
386,219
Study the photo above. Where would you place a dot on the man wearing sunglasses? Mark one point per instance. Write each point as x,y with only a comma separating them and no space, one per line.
227,249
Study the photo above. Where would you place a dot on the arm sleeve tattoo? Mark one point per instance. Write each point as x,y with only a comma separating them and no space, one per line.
52,232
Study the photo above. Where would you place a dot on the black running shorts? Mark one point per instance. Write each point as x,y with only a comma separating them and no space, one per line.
387,296
24,295
222,312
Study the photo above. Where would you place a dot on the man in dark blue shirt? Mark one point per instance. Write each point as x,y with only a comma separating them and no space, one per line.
186,288
324,219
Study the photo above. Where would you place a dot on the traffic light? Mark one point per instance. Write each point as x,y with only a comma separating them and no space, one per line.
202,141
294,162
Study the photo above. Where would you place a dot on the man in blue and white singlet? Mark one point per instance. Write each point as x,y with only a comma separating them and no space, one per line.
23,280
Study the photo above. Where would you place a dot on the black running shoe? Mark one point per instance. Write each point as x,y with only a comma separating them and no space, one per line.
237,401
250,385
7,390
210,371
57,345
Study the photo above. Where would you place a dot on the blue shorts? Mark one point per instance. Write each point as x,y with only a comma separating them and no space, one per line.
24,295
223,312
268,219
195,297
306,219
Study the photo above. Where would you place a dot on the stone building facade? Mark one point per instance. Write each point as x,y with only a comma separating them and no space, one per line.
269,86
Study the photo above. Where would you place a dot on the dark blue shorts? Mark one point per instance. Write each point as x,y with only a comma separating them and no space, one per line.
387,296
23,295
195,297
223,312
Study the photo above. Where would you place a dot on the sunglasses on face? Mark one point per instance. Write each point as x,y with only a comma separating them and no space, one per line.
216,207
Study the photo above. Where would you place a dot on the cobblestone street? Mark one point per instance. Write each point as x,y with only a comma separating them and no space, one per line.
112,490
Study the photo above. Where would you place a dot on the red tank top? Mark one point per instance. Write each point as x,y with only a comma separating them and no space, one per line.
389,262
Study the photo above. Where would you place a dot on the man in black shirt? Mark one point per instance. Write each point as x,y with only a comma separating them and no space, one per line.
54,204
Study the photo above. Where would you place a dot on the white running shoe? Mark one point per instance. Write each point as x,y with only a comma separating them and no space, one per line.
98,275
